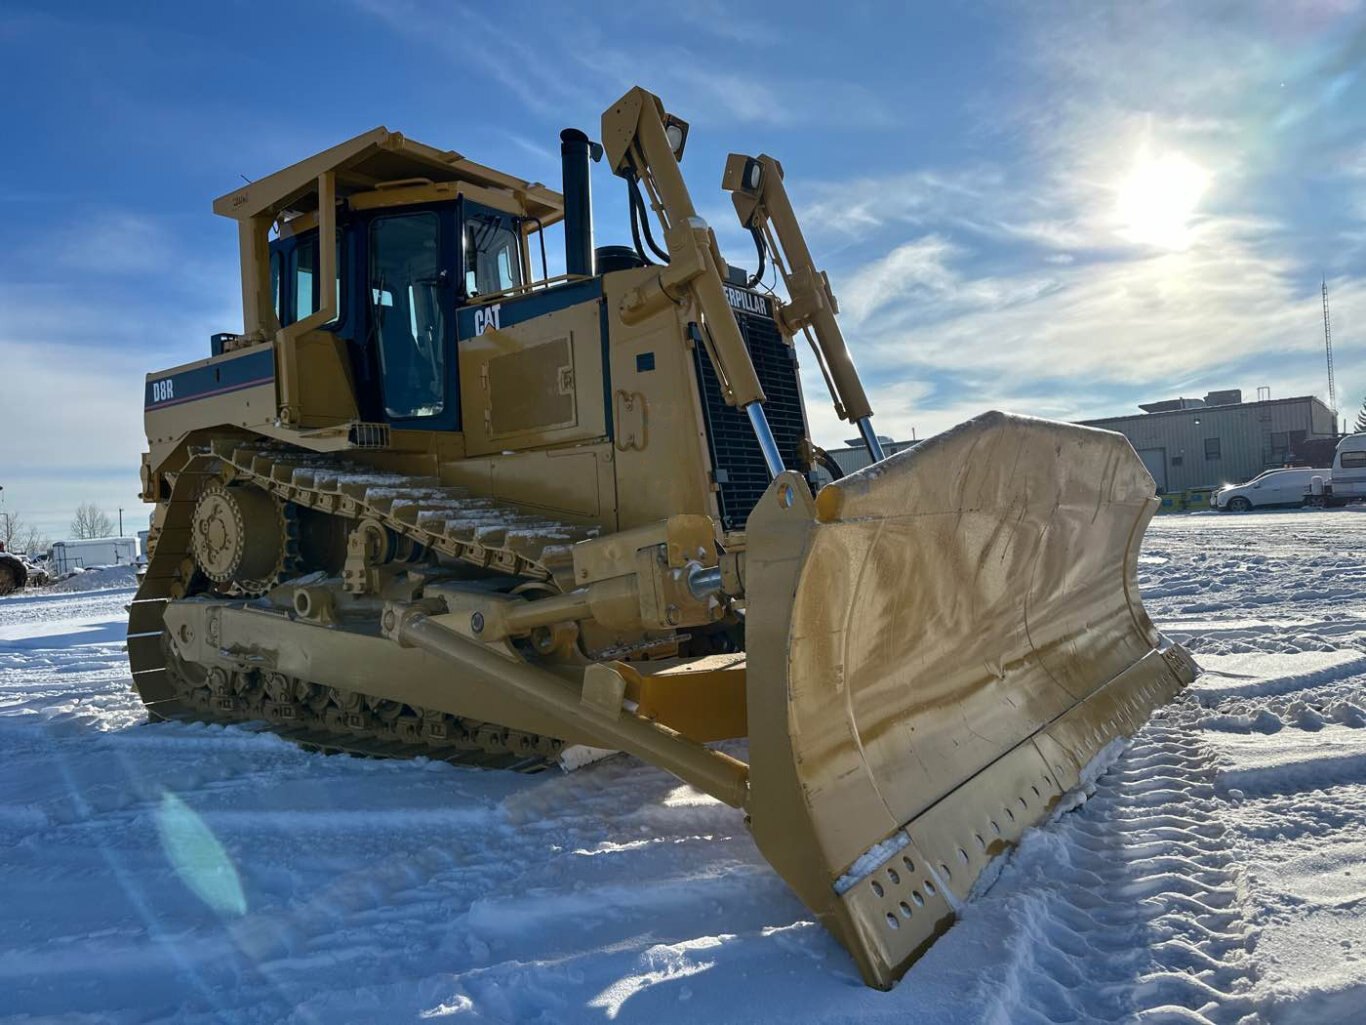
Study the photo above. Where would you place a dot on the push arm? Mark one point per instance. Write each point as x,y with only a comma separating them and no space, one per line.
643,143
756,187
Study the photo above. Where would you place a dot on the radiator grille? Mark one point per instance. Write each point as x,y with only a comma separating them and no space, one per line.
737,463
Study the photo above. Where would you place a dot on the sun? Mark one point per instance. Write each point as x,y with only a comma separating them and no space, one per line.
1158,199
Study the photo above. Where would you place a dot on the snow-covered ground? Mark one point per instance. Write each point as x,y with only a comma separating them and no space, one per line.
191,874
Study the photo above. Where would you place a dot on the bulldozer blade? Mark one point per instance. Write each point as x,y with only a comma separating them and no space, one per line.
939,645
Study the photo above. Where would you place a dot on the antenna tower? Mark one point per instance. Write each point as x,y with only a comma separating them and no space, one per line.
1328,351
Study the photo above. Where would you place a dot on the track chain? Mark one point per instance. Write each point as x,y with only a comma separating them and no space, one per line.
328,719
455,521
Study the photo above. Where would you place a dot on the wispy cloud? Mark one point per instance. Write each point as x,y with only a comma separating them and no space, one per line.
583,61
1011,280
98,301
113,242
1093,332
725,21
469,39
71,430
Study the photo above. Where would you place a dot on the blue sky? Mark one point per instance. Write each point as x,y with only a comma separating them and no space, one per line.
1060,209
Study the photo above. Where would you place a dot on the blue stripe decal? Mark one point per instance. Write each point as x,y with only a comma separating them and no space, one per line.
535,304
219,378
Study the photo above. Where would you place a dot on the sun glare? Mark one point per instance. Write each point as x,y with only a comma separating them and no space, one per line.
1158,199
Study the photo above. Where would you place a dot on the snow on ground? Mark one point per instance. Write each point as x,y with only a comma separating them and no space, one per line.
170,873
95,578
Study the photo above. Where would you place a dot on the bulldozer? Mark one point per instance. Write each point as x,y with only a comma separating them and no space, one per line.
435,501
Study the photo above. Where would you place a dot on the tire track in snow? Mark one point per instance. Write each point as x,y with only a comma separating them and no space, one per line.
1275,606
1137,903
1216,685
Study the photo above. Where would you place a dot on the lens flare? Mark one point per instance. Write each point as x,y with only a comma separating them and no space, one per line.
198,858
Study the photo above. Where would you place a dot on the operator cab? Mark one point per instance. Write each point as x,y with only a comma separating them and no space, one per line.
419,235
402,274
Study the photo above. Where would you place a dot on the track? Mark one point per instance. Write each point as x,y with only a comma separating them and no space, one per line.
429,517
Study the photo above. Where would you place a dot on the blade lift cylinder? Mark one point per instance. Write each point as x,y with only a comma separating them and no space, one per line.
767,443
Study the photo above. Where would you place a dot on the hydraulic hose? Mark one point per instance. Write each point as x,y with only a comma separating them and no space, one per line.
643,214
762,250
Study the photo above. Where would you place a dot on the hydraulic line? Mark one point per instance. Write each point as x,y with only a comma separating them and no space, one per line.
762,250
638,205
632,199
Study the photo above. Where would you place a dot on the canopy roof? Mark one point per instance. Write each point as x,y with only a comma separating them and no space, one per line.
369,159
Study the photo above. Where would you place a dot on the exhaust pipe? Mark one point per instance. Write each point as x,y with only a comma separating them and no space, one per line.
575,152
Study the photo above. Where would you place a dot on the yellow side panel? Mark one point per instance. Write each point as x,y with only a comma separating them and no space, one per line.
534,384
659,439
573,483
236,389
320,392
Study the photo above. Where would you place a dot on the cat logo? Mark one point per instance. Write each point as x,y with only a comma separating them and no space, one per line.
486,317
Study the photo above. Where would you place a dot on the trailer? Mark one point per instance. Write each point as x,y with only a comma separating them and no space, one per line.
1346,481
67,556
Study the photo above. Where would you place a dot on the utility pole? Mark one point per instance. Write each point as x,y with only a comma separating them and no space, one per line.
1328,351
120,521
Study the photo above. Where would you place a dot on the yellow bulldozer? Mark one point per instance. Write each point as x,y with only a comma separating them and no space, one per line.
431,502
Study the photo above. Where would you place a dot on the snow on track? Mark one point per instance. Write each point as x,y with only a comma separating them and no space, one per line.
1215,873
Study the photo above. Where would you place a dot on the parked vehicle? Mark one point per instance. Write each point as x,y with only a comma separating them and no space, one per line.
103,551
13,571
1347,480
1285,487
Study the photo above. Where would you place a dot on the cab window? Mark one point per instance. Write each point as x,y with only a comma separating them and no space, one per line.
275,262
406,315
493,255
301,279
1353,459
303,263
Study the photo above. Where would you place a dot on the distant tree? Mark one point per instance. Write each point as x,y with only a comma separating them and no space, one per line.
29,541
1361,418
19,537
90,521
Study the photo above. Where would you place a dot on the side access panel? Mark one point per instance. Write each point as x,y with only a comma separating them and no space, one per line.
659,438
532,372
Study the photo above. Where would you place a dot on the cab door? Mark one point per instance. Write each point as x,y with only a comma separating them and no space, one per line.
411,315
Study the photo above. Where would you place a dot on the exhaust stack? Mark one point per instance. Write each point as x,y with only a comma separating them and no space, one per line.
575,152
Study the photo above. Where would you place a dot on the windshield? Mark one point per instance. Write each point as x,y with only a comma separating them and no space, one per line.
493,255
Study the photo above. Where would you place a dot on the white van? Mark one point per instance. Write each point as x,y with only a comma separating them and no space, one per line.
1289,486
